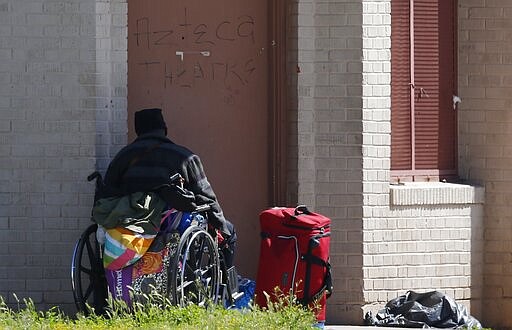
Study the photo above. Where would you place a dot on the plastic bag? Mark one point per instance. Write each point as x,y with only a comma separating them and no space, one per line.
423,310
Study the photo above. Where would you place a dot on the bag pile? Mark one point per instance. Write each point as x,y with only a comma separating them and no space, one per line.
423,310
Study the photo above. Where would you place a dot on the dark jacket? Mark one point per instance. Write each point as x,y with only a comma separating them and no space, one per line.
148,162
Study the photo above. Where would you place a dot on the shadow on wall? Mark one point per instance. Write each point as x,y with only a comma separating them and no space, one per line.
477,259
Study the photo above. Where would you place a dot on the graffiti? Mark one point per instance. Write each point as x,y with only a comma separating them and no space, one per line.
189,74
187,61
241,28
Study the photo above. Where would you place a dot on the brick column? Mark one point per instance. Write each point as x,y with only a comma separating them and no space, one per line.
376,118
485,85
63,113
325,52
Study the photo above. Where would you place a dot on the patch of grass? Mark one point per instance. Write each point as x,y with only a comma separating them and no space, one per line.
157,313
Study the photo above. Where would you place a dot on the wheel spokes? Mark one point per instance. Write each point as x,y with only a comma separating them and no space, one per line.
86,270
90,251
89,290
184,285
194,274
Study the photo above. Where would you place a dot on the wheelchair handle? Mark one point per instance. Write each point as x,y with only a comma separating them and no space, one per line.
93,175
99,180
175,177
203,208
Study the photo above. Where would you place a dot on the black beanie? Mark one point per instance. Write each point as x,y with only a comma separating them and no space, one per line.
149,119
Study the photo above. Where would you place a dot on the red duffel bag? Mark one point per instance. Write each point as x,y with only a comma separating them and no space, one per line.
294,257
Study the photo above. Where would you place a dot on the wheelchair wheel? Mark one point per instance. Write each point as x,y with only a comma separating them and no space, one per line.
194,273
87,274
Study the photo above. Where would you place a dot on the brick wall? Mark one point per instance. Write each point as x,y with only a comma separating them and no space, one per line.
428,238
419,237
339,64
63,114
62,111
379,275
325,50
485,85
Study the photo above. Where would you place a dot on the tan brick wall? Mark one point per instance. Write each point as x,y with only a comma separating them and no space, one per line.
325,145
340,160
62,114
430,238
63,79
420,237
485,121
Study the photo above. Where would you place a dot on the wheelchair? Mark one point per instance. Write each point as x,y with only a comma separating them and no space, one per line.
196,272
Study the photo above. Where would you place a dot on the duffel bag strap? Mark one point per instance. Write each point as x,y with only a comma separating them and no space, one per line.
327,285
328,280
314,260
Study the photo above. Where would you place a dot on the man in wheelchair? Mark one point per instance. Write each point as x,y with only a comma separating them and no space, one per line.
158,189
151,159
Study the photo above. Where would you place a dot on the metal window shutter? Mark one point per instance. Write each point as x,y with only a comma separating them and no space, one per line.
400,89
434,67
426,74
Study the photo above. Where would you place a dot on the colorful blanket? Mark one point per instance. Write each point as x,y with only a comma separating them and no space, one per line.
124,247
137,264
147,275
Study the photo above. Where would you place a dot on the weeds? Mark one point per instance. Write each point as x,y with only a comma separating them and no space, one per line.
156,312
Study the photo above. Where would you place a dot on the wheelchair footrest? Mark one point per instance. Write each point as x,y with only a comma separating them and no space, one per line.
232,278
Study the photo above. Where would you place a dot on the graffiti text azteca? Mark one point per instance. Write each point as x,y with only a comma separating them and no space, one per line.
194,65
228,30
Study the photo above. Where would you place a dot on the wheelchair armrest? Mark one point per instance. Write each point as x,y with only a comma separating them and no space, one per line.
176,178
203,208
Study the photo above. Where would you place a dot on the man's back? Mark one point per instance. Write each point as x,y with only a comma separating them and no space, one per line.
147,163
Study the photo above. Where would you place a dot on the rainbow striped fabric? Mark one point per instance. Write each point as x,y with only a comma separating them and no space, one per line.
124,247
